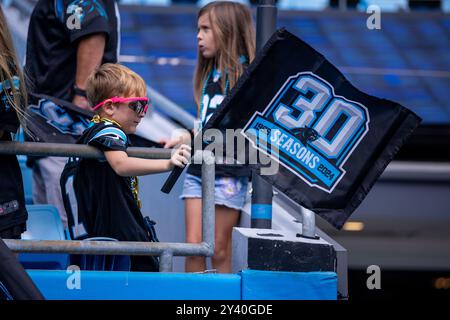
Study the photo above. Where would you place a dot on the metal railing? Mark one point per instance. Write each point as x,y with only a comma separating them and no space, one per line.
165,250
171,109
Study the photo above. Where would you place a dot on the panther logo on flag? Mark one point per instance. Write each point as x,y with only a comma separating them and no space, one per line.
310,130
58,117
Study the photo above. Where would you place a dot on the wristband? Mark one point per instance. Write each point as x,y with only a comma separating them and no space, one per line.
79,92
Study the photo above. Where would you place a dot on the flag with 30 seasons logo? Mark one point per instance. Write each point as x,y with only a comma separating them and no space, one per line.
332,141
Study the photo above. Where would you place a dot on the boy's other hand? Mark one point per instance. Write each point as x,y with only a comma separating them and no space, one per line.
181,156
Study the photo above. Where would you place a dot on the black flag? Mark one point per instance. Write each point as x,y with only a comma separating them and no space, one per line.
332,141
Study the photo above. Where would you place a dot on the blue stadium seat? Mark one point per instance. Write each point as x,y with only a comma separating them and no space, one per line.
303,5
445,5
43,223
385,5
26,177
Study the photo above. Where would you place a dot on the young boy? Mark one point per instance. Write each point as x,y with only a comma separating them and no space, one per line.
107,191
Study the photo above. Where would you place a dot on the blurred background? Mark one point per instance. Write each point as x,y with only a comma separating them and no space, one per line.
403,225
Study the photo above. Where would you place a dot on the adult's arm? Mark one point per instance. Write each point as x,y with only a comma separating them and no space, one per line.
89,57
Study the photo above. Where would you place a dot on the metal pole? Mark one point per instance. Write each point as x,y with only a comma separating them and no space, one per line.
75,150
166,251
208,203
166,261
343,5
261,212
108,248
266,22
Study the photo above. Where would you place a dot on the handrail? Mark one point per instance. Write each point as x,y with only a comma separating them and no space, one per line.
417,171
166,251
23,6
171,109
103,247
75,150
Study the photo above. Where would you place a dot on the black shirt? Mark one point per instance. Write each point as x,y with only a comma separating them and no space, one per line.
12,201
107,206
212,97
53,40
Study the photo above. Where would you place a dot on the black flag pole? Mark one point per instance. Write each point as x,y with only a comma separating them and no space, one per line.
173,177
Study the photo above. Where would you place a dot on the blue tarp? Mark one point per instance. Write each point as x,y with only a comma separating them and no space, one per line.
279,285
94,285
247,285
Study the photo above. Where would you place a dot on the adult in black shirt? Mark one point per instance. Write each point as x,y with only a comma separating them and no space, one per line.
67,40
61,53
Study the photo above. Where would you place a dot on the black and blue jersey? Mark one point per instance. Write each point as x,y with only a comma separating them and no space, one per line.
212,97
102,203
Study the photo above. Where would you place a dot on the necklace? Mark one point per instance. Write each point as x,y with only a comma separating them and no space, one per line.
135,191
98,119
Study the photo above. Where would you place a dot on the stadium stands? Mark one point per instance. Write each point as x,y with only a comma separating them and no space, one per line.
384,5
393,64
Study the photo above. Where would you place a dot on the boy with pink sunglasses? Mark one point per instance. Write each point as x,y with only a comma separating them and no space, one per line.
106,192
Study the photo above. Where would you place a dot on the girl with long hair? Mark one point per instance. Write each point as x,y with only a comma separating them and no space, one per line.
226,45
13,100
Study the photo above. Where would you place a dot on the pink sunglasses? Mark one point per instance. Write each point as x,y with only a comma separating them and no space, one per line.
137,104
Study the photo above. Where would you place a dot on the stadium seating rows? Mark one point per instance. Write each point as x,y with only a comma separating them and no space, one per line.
393,63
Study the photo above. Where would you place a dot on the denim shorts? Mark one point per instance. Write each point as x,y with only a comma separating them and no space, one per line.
229,191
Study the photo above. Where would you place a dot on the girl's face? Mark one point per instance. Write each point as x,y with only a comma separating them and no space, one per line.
205,37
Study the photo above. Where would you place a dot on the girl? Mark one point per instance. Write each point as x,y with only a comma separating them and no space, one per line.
13,215
226,44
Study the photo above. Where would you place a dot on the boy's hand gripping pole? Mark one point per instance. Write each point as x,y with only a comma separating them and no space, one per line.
176,172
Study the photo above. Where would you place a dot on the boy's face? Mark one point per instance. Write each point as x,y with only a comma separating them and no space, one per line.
125,116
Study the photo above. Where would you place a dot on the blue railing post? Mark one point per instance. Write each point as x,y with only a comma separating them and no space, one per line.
261,213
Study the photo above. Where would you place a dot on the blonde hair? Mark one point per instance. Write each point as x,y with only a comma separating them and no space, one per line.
234,34
113,80
9,67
